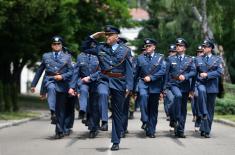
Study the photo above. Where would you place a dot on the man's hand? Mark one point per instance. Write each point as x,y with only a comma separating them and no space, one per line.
58,77
181,77
86,79
33,89
203,75
97,35
71,92
191,94
147,79
43,96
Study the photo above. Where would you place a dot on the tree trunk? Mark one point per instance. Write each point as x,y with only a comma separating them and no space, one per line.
208,34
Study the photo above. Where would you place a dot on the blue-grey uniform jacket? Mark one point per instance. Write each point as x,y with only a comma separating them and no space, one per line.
112,62
214,70
176,67
62,65
156,69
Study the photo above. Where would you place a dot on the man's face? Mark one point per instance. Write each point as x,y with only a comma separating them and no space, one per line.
111,38
200,53
56,47
150,48
206,49
180,48
172,53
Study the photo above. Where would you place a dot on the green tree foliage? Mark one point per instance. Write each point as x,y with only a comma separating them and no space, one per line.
170,19
26,27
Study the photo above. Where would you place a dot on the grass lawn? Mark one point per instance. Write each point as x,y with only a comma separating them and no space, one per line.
32,102
228,117
17,115
26,104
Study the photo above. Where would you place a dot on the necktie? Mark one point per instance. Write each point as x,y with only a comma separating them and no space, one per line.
207,58
149,57
180,58
56,55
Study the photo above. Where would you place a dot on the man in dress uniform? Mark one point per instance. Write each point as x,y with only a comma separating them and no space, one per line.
116,74
149,73
181,69
194,95
209,71
86,65
58,73
168,96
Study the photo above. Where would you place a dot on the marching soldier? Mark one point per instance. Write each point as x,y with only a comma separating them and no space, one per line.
58,72
126,105
149,73
209,71
86,65
168,96
194,96
116,74
181,69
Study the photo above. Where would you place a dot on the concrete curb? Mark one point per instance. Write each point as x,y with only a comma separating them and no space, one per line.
18,122
225,122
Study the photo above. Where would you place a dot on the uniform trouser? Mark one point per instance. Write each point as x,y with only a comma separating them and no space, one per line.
149,109
117,101
180,105
69,112
198,116
168,103
193,107
202,99
126,112
61,101
143,101
83,99
103,97
137,101
152,110
51,96
94,116
210,106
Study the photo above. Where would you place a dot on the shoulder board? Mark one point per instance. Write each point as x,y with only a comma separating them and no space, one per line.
47,53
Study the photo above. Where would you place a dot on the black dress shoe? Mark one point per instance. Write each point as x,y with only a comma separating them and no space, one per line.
126,132
151,135
173,124
58,136
93,134
67,133
144,126
168,118
203,134
123,135
180,135
81,114
53,119
131,116
115,147
207,135
104,127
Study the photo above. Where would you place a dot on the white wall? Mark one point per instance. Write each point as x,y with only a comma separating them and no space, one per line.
28,75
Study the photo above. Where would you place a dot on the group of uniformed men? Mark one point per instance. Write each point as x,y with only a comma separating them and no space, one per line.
107,72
